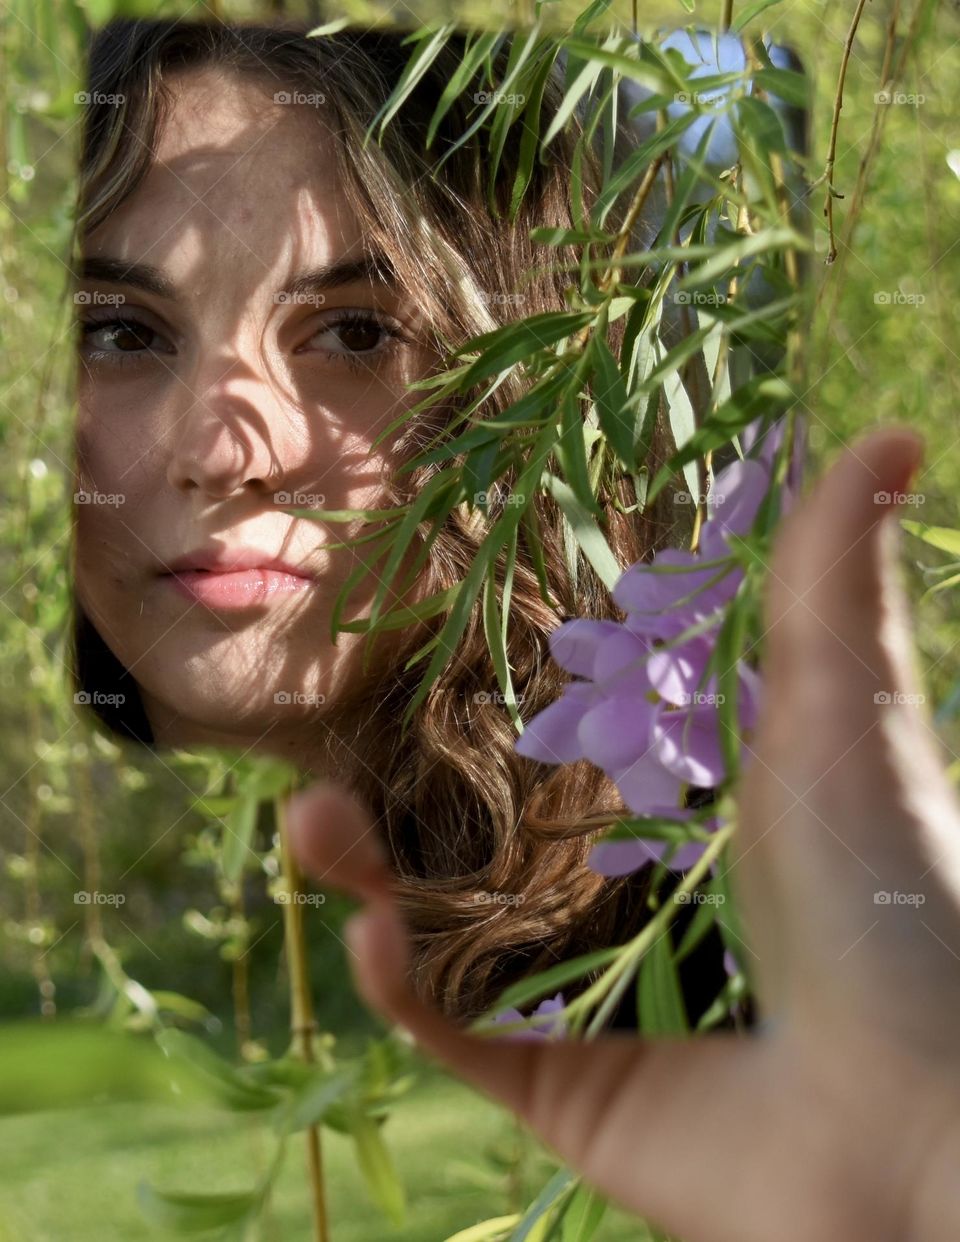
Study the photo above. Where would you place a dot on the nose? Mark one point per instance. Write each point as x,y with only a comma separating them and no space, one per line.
226,436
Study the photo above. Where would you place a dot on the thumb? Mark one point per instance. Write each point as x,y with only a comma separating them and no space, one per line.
660,1126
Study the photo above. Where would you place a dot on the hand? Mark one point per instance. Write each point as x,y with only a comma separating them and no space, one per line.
838,1119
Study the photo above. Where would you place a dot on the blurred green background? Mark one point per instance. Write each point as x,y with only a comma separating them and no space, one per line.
882,346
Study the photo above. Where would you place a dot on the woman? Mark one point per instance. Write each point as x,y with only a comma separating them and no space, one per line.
223,374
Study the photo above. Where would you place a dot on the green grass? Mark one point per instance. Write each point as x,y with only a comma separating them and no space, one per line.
73,1174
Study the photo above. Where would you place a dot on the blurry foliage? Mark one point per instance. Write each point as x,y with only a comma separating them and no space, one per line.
171,832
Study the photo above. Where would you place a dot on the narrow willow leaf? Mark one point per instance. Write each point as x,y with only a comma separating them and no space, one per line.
486,43
571,451
943,537
496,1229
238,827
432,43
551,980
792,87
723,262
518,80
701,923
377,1168
196,1213
313,1100
496,644
683,425
529,131
661,1010
230,1086
558,1187
582,85
582,1215
610,394
636,164
759,396
588,535
75,1063
442,485
750,11
726,657
400,618
507,345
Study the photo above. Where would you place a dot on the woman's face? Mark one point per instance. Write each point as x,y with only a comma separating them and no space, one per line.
220,381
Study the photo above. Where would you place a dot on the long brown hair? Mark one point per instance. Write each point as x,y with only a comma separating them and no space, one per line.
462,814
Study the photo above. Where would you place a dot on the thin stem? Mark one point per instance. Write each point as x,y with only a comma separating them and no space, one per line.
726,18
302,1022
833,193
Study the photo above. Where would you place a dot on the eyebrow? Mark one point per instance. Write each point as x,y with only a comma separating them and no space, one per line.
373,268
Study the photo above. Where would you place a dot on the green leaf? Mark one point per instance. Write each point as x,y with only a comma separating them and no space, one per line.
74,1063
238,829
750,11
610,395
751,400
377,1168
582,1215
494,1230
550,981
313,1100
943,537
196,1213
588,535
229,1085
555,1189
659,995
571,452
505,346
486,43
432,43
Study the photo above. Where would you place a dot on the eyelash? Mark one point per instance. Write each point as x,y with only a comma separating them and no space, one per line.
355,360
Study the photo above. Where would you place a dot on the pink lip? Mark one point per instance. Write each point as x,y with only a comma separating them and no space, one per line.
234,579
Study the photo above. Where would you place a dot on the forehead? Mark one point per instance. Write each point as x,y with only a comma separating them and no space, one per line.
231,162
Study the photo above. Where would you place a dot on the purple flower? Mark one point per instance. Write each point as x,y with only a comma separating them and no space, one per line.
641,706
543,1029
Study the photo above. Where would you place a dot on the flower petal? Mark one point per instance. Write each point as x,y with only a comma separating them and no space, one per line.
574,643
551,736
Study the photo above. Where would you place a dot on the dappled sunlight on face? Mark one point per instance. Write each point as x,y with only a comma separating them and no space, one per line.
237,356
